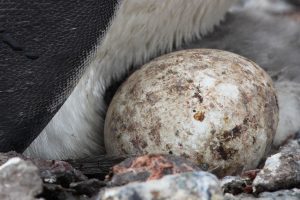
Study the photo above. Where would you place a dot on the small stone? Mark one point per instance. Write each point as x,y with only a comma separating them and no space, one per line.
281,171
89,187
57,192
19,179
242,196
293,194
190,185
51,171
233,184
149,167
58,172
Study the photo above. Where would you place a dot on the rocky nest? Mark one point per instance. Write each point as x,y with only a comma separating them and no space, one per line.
154,176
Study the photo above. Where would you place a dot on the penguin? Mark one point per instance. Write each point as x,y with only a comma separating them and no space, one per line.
57,109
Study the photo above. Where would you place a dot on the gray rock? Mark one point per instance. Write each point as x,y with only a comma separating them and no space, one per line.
233,184
242,196
281,171
191,185
19,179
89,187
293,194
51,171
57,192
58,172
149,167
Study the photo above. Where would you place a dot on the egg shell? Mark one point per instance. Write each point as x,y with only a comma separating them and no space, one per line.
213,107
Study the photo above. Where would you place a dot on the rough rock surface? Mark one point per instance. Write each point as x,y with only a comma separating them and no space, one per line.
51,171
59,180
293,194
19,179
233,184
239,184
89,187
57,192
58,172
191,185
281,170
149,167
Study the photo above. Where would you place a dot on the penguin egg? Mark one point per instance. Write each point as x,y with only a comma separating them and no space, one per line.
213,107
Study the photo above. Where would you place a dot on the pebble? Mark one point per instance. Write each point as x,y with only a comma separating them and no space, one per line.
89,187
149,167
281,170
190,185
19,179
233,184
51,171
293,194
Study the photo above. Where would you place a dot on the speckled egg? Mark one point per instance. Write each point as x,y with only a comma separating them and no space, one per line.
213,107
